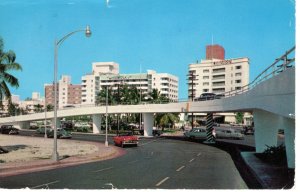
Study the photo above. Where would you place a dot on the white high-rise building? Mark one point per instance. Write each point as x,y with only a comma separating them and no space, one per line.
107,74
218,76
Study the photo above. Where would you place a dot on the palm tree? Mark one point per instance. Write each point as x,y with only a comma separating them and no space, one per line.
165,119
50,107
7,63
38,108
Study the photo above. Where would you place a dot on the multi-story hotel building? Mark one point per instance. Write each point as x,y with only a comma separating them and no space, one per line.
67,93
107,74
216,74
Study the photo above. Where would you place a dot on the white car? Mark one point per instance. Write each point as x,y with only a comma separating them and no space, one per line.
224,133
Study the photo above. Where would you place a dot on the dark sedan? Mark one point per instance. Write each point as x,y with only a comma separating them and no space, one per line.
9,129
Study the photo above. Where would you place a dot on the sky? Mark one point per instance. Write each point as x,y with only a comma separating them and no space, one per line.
162,35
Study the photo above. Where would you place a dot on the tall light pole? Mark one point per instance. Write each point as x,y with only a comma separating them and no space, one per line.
88,33
45,106
106,114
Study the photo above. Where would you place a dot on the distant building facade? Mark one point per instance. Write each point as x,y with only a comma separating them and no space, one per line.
107,74
218,75
67,93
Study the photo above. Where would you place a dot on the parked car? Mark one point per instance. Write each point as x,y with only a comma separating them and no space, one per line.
155,132
248,130
61,134
206,96
229,134
126,138
41,130
197,133
9,129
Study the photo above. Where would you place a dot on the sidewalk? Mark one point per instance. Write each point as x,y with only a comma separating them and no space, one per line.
103,153
269,176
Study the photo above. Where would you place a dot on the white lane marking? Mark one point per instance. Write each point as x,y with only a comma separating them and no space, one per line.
162,181
112,185
198,154
103,169
179,169
46,184
152,153
192,159
133,161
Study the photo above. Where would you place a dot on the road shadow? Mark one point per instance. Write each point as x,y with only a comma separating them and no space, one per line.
9,148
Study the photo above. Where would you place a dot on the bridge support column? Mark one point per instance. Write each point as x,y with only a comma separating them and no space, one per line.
289,138
23,125
210,139
58,124
96,123
148,124
266,129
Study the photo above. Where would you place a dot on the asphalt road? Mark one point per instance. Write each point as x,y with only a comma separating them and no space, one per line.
157,163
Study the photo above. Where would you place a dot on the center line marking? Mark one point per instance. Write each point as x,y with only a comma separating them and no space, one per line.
192,160
162,181
46,184
198,154
179,169
103,169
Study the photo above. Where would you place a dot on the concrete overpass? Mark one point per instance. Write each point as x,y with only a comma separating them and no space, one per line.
271,99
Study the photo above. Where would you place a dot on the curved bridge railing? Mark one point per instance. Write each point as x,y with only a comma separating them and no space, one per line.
280,65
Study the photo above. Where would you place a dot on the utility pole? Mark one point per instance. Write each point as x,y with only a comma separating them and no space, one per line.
191,77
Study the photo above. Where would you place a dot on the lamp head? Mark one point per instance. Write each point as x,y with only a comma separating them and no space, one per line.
88,32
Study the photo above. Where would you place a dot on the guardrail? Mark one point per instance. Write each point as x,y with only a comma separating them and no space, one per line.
271,71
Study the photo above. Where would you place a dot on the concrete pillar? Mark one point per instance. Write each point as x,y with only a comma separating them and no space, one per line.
148,124
58,122
209,128
266,129
23,125
289,139
96,123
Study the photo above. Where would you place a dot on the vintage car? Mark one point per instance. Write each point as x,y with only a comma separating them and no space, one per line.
198,133
230,133
61,134
9,129
41,130
126,138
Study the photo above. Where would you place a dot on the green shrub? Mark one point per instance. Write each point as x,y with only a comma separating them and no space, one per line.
274,155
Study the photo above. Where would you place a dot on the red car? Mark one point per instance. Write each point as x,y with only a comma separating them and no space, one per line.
126,139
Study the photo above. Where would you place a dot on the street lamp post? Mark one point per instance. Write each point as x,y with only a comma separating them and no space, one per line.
88,33
106,114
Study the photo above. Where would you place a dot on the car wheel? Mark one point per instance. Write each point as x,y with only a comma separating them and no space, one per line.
192,138
122,145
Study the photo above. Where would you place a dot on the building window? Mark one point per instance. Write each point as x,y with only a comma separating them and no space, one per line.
205,83
238,81
238,74
205,77
238,67
219,70
206,71
205,90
